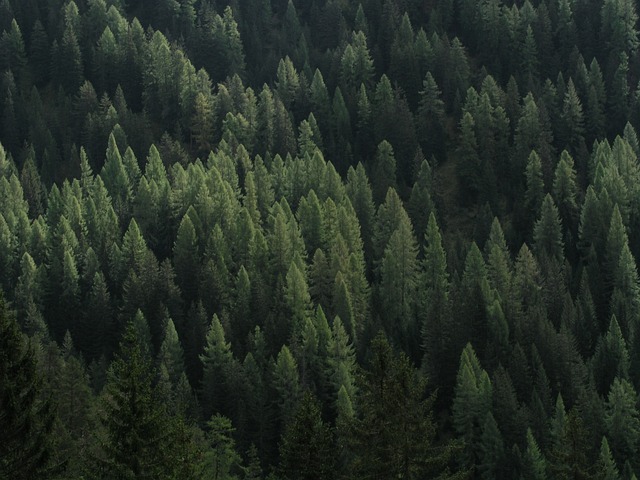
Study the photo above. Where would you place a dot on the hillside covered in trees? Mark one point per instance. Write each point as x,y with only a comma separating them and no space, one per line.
290,240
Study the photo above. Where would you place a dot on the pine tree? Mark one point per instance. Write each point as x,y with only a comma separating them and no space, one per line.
171,355
435,300
611,358
534,463
570,455
573,119
622,421
68,62
297,300
185,259
565,193
306,450
431,112
340,362
398,284
202,123
469,164
421,204
221,459
492,454
25,419
625,300
383,174
138,435
606,466
217,361
618,27
547,232
471,404
286,384
392,434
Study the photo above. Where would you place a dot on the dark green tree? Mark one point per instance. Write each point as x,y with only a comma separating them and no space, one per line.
138,435
622,421
547,231
26,419
392,436
383,172
606,468
306,448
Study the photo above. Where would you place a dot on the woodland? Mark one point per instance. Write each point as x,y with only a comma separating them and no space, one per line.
321,239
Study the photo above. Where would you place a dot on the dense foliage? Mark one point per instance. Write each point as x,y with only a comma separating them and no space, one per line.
319,239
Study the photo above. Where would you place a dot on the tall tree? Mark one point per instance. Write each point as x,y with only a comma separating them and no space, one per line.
547,232
306,450
398,284
434,305
622,421
139,437
392,436
26,419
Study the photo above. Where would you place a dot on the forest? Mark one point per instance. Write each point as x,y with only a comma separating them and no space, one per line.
322,239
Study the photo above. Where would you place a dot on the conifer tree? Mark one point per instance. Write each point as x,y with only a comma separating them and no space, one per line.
138,435
392,434
221,459
573,119
185,259
286,383
492,454
383,173
547,232
25,420
306,445
471,404
398,284
606,468
434,304
611,358
340,362
469,164
625,300
622,421
565,193
534,463
421,204
217,361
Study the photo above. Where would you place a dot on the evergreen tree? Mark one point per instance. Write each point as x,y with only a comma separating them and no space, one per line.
392,435
621,420
26,420
398,284
306,446
534,464
606,466
139,436
435,300
217,361
470,168
471,404
221,459
286,383
565,193
547,232
492,454
611,358
383,174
